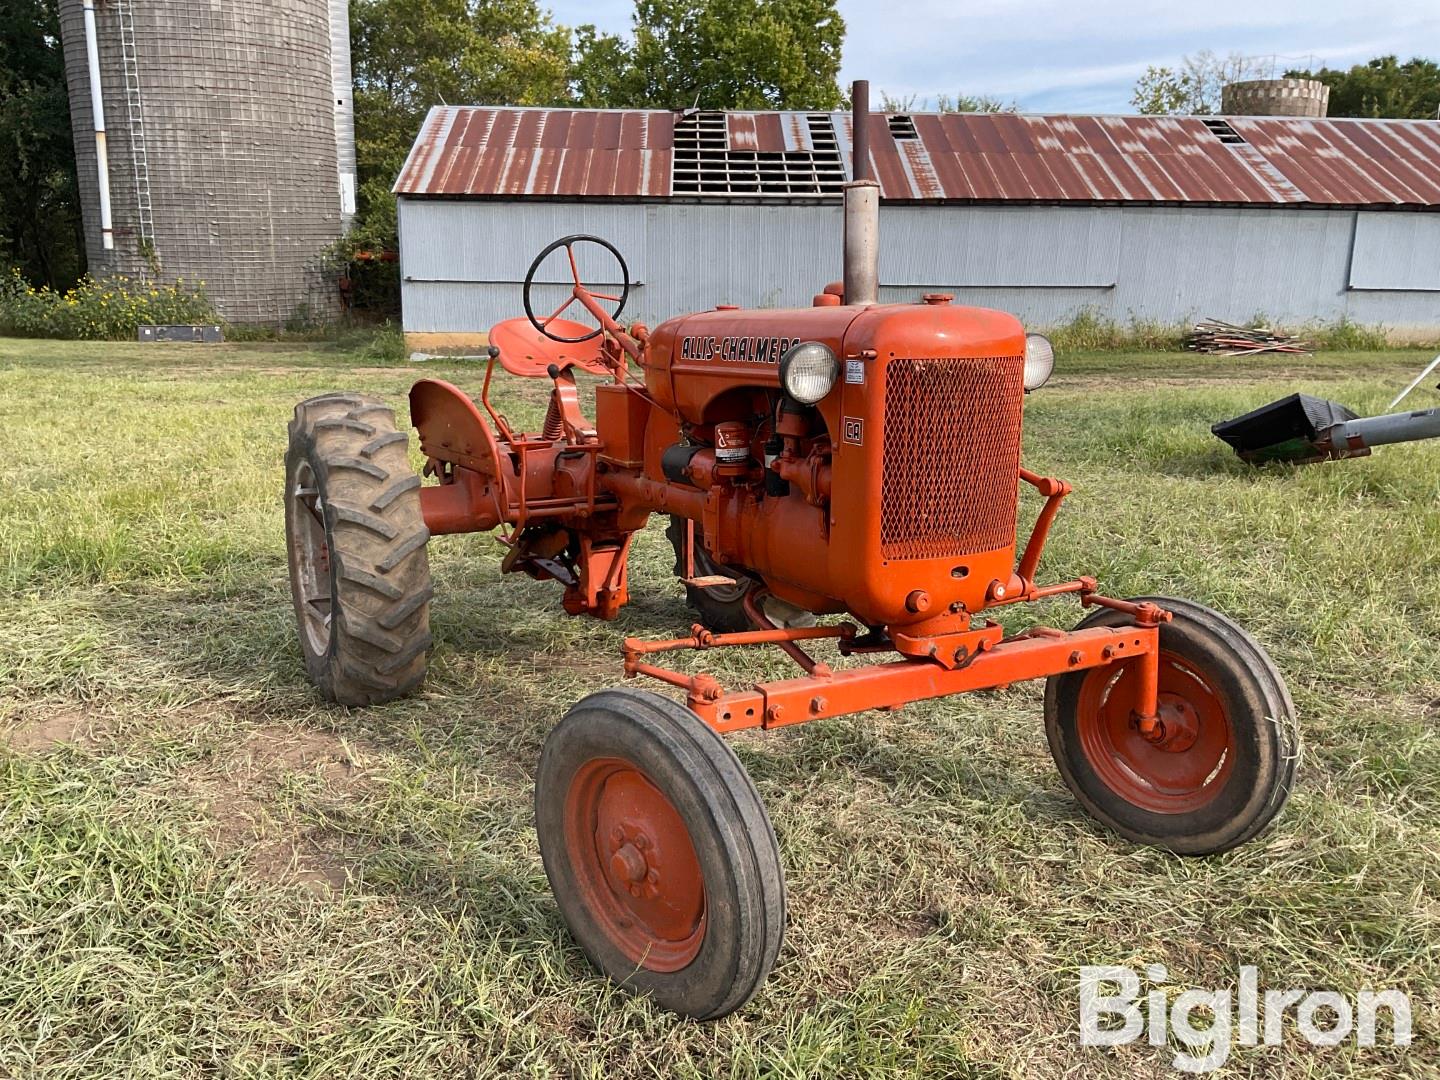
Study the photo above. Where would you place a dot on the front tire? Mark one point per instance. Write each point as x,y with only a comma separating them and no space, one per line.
659,852
1225,762
721,608
359,572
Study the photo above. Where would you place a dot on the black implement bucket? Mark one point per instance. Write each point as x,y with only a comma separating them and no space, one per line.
1284,430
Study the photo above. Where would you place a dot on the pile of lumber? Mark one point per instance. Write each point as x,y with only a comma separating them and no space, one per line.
1227,339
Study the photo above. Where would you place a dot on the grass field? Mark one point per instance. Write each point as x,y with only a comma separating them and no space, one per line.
204,871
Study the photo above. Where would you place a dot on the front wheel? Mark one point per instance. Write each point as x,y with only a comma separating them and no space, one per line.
1224,759
659,852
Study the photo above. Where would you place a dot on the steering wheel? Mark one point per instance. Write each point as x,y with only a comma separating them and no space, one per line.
579,290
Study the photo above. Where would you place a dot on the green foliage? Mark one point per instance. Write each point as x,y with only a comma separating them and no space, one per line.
303,319
39,206
410,55
604,70
1089,331
387,346
1383,87
1345,335
1193,88
1161,91
944,103
715,54
108,309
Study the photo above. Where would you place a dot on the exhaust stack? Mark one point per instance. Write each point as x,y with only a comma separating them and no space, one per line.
862,209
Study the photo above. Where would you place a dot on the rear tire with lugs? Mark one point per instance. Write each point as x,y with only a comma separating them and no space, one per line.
359,572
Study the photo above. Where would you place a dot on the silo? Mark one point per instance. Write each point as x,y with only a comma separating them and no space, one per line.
1275,97
230,145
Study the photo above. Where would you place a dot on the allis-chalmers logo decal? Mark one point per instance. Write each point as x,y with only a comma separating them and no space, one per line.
740,350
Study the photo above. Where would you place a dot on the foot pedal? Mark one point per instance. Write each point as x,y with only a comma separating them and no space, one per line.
709,581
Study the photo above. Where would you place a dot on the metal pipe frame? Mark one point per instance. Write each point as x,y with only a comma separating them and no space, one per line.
1038,653
97,109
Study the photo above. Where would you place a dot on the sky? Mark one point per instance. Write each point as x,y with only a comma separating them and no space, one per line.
1054,56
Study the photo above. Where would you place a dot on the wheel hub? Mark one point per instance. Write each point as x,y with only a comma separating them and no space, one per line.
629,867
1179,725
640,874
1177,767
310,557
628,864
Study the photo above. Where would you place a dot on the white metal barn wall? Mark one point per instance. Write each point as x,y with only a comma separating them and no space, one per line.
462,260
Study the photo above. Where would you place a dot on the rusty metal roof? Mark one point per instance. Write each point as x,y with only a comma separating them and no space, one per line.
925,157
465,150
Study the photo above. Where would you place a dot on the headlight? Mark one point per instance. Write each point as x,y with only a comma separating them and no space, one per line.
1039,361
808,371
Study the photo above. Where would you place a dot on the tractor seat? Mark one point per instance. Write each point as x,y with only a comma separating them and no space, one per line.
526,352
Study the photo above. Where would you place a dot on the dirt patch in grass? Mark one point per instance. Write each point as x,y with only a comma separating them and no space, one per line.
306,862
66,726
256,801
253,798
274,750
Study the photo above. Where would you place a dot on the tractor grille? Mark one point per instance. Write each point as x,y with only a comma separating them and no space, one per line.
952,456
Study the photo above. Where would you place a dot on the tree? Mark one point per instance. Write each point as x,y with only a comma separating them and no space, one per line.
715,54
1193,89
408,55
40,229
944,103
604,74
1383,87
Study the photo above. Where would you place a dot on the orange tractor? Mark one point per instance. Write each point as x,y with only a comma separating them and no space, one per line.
848,458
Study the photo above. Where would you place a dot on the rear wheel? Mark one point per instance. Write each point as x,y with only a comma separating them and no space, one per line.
1221,765
659,852
359,573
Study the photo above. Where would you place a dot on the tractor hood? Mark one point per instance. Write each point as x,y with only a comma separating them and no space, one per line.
695,359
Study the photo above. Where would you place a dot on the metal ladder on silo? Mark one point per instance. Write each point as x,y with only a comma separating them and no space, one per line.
135,114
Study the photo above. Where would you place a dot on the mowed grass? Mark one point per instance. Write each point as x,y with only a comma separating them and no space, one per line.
206,871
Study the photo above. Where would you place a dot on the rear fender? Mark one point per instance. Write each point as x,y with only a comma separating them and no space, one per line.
451,429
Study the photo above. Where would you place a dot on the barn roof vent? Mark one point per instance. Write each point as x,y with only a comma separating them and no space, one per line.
705,163
1222,130
902,126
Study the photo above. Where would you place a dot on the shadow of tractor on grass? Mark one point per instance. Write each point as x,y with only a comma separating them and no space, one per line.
443,816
